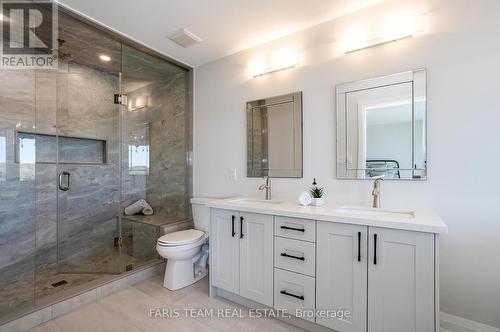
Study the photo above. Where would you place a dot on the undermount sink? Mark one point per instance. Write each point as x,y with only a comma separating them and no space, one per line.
375,212
253,200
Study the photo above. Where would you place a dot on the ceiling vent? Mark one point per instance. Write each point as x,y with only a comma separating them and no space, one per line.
184,38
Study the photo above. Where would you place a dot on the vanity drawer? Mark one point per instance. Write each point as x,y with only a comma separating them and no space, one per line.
295,228
293,291
294,255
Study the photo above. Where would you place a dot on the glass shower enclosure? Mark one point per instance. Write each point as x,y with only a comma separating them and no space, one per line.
78,144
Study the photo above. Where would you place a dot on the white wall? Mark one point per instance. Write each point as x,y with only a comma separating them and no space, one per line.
461,51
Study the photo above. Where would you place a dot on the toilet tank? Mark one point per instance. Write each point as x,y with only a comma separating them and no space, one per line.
201,216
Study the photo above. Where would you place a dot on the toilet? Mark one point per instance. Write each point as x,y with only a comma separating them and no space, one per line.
186,251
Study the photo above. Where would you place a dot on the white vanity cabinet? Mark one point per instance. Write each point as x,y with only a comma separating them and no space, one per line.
387,283
295,266
342,274
241,249
225,250
400,281
256,257
385,277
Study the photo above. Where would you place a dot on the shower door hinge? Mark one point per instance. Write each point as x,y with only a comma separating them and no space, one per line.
121,99
118,241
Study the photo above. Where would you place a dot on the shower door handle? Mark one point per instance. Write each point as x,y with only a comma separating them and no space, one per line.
61,186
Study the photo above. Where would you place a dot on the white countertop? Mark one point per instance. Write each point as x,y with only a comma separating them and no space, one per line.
423,220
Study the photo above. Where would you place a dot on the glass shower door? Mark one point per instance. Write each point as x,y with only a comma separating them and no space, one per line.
88,169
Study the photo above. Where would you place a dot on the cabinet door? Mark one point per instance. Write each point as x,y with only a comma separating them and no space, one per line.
256,257
400,281
224,250
341,276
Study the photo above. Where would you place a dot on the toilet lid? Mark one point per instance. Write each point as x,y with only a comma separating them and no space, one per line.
181,237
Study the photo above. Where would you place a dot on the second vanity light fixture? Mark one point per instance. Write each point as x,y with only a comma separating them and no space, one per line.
380,31
279,60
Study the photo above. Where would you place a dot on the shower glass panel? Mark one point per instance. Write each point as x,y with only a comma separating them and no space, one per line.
154,149
88,165
18,186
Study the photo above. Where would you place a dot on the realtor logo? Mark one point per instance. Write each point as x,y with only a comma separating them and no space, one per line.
29,35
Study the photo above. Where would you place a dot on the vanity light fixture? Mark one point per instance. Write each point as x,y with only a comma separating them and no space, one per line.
280,60
104,58
395,27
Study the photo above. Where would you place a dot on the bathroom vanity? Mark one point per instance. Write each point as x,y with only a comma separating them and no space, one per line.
380,266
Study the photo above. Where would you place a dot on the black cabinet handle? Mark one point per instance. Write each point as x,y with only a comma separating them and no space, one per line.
375,249
293,229
284,254
284,292
241,227
359,246
232,226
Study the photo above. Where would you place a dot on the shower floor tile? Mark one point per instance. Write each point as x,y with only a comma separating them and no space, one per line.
26,293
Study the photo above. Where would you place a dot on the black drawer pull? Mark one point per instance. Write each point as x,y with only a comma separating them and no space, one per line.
284,254
284,292
241,227
375,249
294,229
359,246
232,226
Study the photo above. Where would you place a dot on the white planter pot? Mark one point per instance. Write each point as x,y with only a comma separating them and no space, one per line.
318,201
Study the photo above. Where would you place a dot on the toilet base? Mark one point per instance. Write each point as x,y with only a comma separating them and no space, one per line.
180,274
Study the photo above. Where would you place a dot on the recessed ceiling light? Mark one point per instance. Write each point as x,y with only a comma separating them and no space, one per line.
104,58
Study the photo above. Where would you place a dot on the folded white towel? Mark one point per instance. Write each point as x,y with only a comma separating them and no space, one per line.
305,199
139,206
148,210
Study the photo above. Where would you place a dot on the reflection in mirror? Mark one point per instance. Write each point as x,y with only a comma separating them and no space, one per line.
381,128
274,137
138,150
27,156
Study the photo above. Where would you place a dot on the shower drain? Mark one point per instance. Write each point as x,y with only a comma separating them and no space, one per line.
59,283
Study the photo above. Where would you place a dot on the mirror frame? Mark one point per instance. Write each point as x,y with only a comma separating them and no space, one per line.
295,99
418,79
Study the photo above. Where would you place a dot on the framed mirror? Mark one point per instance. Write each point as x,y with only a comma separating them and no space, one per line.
381,127
274,136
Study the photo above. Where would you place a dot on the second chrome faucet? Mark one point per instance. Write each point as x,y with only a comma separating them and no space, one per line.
376,192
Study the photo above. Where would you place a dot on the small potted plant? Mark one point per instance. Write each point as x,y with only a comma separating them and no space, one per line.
317,195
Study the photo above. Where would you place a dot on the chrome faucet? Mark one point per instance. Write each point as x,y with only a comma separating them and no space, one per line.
376,192
267,186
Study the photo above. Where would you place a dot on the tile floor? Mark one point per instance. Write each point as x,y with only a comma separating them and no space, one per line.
129,310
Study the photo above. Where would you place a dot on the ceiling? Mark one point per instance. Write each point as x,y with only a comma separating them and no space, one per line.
83,44
226,26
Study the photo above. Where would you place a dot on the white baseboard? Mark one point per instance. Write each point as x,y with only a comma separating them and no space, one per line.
451,323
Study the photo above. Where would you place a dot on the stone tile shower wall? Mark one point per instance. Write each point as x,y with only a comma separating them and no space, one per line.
165,187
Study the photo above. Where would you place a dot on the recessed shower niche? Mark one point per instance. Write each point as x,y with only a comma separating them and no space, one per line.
42,148
71,160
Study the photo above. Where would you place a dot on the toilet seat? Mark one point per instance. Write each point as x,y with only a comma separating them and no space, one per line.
181,238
